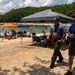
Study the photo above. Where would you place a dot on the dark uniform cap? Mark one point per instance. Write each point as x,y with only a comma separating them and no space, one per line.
56,19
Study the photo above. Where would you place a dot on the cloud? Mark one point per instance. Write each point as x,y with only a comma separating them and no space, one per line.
7,5
70,1
36,3
56,2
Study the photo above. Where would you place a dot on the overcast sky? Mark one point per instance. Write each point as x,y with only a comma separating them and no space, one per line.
7,5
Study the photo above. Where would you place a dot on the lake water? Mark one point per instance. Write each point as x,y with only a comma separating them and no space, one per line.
31,28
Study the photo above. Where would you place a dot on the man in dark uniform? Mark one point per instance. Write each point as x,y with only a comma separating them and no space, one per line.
57,33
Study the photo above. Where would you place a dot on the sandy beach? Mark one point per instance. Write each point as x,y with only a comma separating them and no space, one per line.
29,59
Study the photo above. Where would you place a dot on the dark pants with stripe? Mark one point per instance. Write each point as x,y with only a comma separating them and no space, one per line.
56,53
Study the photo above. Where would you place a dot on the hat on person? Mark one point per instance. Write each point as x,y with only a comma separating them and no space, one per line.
73,15
56,19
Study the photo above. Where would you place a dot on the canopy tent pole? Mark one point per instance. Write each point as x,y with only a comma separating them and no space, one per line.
43,28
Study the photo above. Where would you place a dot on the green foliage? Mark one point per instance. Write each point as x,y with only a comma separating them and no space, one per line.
15,15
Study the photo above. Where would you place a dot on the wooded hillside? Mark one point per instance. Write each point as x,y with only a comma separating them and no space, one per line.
15,15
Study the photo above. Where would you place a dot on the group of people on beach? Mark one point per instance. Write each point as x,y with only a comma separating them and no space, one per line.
8,34
57,34
13,34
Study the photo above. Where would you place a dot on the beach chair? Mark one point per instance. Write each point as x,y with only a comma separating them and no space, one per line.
42,40
36,39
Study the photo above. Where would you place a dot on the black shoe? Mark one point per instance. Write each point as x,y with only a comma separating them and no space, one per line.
52,66
68,73
60,60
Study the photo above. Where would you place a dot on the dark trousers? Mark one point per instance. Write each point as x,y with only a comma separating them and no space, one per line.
56,53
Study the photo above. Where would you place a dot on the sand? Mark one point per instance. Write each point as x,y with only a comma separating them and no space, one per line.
26,58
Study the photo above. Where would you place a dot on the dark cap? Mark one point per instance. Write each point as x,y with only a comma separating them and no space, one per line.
56,19
73,15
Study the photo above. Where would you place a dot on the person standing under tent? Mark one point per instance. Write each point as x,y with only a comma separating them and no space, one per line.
57,33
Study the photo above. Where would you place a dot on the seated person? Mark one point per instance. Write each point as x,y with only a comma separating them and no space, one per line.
8,35
28,34
5,34
43,38
33,34
25,34
13,32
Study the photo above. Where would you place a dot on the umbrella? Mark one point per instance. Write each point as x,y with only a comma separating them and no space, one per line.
8,25
21,25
